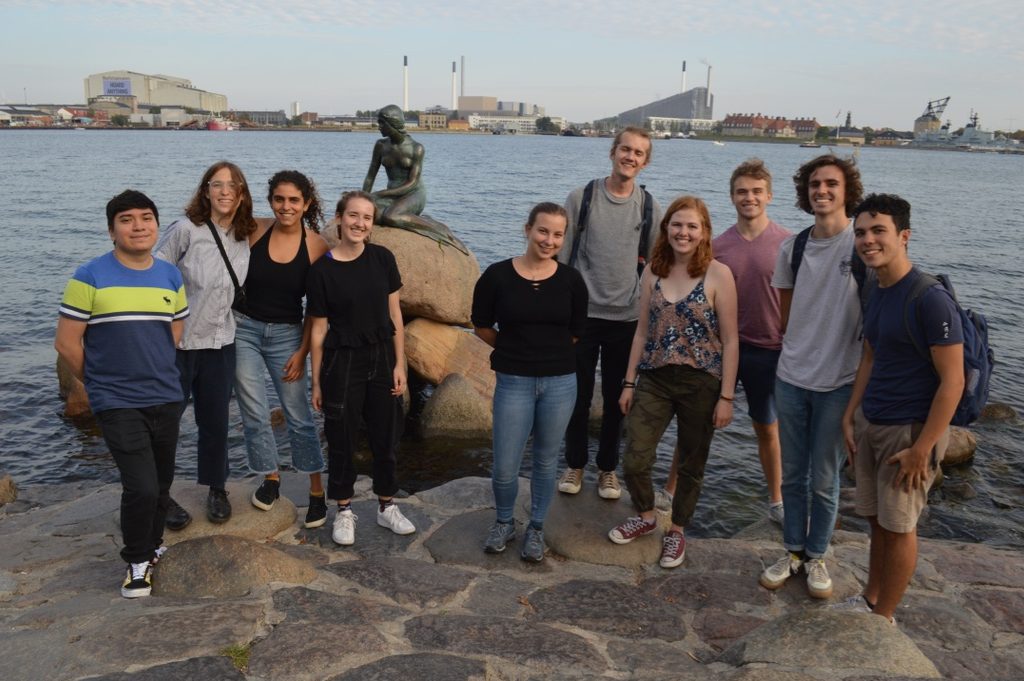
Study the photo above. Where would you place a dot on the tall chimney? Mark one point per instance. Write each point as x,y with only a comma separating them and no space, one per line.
709,87
405,84
455,103
683,87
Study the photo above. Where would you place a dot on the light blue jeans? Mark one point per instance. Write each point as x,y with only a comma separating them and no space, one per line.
524,405
811,434
262,348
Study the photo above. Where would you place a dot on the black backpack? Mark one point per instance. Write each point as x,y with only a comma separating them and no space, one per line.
645,225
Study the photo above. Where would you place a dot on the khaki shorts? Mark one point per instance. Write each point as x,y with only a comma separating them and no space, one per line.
897,510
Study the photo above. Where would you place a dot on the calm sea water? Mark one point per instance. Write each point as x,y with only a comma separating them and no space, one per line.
56,183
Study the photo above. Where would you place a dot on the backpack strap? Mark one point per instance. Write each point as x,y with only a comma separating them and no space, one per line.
645,229
924,282
581,221
797,256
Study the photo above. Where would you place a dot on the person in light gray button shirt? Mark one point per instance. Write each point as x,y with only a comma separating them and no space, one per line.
206,352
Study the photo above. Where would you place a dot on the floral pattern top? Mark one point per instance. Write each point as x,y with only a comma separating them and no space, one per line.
684,332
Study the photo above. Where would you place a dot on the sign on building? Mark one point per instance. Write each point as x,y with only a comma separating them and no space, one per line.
117,87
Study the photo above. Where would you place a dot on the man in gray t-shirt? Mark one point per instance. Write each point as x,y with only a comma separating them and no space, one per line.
607,258
821,321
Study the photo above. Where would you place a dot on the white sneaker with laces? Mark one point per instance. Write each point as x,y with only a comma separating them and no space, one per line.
393,519
819,584
775,575
608,485
344,532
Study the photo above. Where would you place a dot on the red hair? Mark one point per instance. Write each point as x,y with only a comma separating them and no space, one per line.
663,257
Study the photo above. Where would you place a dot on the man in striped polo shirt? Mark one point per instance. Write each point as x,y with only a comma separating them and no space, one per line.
120,319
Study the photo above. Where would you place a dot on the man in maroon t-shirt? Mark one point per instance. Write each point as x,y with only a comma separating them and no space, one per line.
750,248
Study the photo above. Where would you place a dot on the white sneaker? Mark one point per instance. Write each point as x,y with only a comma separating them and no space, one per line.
775,575
819,584
608,485
393,519
345,528
776,513
571,482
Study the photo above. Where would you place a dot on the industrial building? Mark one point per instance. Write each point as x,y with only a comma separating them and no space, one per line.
139,89
690,110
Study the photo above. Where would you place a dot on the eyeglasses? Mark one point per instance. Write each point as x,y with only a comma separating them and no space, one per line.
217,185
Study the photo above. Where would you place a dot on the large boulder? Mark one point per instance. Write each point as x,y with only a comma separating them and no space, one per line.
456,410
437,280
436,350
8,490
998,411
246,520
76,402
962,444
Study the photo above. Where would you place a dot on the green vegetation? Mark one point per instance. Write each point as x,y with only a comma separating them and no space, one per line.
239,655
119,120
545,124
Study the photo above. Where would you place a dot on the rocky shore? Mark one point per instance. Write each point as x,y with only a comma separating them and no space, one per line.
260,598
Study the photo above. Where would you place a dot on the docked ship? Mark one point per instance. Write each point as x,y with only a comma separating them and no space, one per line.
931,133
220,124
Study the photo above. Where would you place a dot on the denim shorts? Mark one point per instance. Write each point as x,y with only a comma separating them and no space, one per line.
757,374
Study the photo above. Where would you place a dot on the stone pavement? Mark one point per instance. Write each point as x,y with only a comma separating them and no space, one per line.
261,598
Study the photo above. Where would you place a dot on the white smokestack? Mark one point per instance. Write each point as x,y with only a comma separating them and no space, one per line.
709,86
455,103
683,86
405,84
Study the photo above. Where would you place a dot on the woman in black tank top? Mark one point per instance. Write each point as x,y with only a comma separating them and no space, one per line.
272,338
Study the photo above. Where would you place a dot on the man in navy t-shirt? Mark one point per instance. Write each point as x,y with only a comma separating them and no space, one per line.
896,426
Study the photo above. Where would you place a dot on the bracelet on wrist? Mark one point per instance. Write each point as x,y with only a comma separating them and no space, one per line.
628,384
727,399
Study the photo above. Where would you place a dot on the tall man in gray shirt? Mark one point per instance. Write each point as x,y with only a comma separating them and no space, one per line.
606,256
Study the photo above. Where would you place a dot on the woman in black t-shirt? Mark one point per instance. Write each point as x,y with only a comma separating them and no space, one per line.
358,356
540,308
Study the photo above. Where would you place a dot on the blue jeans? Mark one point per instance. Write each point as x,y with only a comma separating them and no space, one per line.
262,348
541,405
811,434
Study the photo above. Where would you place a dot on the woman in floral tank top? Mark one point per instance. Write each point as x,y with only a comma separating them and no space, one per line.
683,363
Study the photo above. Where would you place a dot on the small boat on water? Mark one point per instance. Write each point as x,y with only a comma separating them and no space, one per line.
718,143
220,124
811,145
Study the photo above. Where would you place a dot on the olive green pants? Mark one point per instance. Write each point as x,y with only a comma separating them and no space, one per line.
690,395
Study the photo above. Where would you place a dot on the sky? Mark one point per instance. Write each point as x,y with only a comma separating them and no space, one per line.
582,60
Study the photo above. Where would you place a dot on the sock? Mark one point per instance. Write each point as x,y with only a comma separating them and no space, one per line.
385,504
537,526
801,554
871,606
344,507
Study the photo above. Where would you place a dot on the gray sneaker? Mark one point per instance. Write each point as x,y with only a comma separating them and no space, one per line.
533,545
499,536
776,513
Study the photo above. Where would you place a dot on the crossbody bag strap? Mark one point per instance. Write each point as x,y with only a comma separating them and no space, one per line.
224,254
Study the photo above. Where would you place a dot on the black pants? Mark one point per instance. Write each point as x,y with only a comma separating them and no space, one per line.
356,387
208,376
611,341
142,442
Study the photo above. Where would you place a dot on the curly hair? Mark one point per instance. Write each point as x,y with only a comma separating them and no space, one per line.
892,205
853,190
199,208
663,257
314,215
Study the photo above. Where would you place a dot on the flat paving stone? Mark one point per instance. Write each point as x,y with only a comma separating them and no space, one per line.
418,666
371,539
653,657
722,555
822,639
498,595
942,622
460,541
577,527
975,564
214,668
719,628
1003,610
405,581
464,494
311,649
526,643
299,604
225,566
609,608
977,665
695,591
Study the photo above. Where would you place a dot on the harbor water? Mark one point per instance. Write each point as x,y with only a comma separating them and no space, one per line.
56,183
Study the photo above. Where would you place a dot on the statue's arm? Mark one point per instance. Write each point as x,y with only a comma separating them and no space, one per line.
371,174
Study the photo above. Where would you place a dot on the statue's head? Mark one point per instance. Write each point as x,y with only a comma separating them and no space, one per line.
393,116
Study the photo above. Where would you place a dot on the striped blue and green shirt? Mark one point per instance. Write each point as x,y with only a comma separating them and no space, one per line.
129,347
